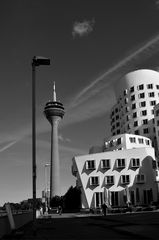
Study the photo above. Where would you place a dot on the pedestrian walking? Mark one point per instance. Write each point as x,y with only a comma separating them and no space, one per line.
104,209
59,210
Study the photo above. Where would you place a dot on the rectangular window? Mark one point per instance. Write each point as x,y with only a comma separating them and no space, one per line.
118,131
125,179
132,97
116,110
135,123
133,106
157,122
152,103
142,104
90,164
141,95
109,180
145,130
132,139
152,111
137,195
157,86
120,162
135,162
143,113
118,141
140,178
127,117
141,140
151,94
127,109
105,163
125,92
117,124
134,114
141,87
126,100
147,142
137,132
117,117
145,121
132,89
94,181
149,86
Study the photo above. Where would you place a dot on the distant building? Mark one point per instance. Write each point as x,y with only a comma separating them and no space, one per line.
124,168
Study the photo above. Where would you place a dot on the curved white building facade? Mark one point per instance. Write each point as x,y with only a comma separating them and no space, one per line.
137,93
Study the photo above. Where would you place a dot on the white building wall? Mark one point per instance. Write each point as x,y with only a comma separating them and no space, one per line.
129,102
126,141
146,156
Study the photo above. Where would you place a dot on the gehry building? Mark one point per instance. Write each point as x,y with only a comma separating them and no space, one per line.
137,93
123,169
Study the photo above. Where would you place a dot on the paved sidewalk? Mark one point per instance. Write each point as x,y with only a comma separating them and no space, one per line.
84,227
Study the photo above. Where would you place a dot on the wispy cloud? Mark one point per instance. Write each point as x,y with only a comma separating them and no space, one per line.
7,145
110,76
83,28
96,99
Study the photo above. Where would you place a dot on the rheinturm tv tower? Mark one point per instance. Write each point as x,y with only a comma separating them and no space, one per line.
54,112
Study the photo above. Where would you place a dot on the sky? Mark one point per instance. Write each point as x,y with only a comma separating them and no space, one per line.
91,44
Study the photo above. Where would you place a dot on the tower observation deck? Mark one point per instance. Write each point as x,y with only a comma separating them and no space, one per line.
54,112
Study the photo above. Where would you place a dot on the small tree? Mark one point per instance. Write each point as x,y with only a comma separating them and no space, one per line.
72,199
56,201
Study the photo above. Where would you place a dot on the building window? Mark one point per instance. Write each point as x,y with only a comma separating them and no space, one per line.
151,94
145,130
117,124
149,86
120,162
118,131
157,86
125,179
126,100
141,87
142,104
135,162
133,106
132,97
117,117
157,122
152,111
116,110
127,117
118,141
141,95
137,132
132,139
127,109
152,103
144,113
135,123
140,140
140,178
134,114
112,113
147,142
94,181
105,163
145,121
109,180
99,199
90,164
125,92
132,89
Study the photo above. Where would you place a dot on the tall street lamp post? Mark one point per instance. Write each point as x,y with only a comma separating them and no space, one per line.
36,61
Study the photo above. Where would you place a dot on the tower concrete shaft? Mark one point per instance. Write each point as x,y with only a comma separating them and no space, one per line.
54,112
55,164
